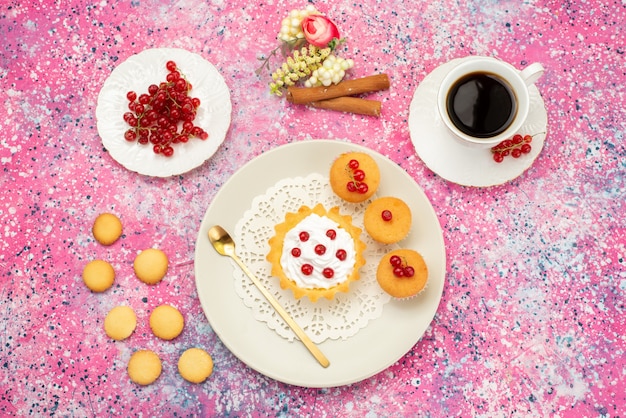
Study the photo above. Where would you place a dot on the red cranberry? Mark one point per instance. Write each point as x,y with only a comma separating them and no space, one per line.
398,271
341,255
307,269
358,175
353,164
395,261
320,249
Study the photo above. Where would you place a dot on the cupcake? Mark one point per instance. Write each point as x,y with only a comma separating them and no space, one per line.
354,176
402,273
316,252
387,220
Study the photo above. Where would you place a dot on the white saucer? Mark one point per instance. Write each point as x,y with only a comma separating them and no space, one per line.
459,163
137,73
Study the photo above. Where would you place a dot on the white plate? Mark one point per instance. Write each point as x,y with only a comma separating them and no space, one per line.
455,161
372,349
136,74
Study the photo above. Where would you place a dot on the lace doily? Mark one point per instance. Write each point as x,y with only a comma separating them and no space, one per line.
339,318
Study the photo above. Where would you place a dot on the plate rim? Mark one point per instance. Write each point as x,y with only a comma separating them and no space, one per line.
202,245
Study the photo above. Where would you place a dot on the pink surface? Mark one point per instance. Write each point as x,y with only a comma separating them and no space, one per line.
532,318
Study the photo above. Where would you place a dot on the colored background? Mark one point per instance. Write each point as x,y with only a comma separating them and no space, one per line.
532,320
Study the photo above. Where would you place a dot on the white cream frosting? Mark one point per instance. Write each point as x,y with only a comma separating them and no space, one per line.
317,226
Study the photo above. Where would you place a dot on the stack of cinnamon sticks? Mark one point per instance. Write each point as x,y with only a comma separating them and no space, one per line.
340,96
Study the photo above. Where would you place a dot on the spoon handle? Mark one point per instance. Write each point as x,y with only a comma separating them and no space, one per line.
310,345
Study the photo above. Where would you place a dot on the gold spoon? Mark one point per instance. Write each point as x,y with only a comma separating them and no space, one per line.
224,245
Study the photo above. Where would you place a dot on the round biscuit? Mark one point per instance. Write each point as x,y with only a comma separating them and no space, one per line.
195,365
166,322
144,367
98,275
120,322
150,265
107,228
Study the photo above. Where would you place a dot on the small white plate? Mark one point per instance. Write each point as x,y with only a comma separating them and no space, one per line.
374,348
136,74
455,161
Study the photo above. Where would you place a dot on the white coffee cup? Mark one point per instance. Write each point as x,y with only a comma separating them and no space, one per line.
473,118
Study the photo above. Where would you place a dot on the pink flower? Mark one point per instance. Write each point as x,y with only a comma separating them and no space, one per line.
319,30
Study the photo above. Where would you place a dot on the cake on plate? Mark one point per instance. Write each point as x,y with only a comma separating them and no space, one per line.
354,176
402,273
316,252
387,219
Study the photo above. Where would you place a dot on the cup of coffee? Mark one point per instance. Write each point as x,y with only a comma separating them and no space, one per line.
483,101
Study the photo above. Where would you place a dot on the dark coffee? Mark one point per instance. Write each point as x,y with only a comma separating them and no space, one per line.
481,105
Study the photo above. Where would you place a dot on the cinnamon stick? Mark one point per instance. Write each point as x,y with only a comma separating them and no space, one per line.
301,95
350,105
